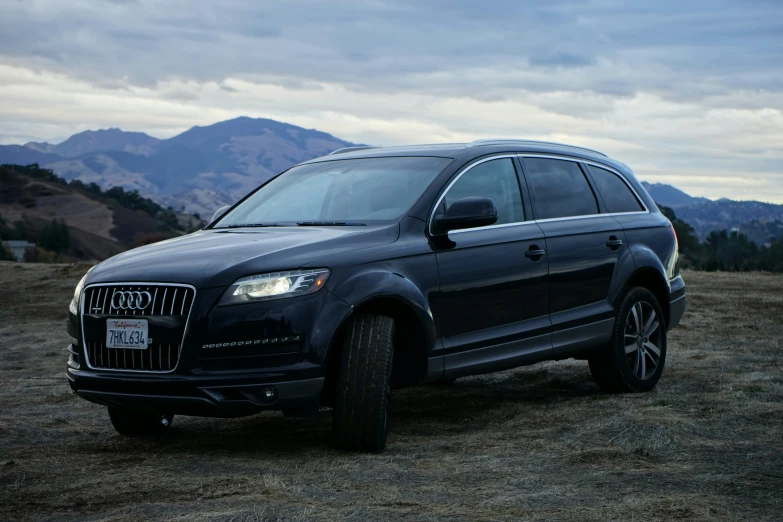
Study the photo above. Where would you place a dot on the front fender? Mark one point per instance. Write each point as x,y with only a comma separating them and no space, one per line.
364,287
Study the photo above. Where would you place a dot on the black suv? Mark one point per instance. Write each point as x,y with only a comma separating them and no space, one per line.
375,268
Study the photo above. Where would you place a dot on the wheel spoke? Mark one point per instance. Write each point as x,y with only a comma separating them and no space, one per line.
636,362
650,325
643,357
654,349
649,331
630,348
637,317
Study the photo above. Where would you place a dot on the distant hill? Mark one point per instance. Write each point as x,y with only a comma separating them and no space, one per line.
199,170
759,221
670,196
100,140
101,224
24,155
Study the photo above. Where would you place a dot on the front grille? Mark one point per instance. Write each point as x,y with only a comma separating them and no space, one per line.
166,301
156,358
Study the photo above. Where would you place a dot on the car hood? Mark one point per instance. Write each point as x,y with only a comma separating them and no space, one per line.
218,257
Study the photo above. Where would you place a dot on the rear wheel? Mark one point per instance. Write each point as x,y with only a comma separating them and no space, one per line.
634,358
363,398
135,423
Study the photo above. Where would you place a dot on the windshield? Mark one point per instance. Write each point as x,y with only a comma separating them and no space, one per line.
352,192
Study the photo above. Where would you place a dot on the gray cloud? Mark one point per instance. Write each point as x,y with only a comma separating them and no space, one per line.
681,50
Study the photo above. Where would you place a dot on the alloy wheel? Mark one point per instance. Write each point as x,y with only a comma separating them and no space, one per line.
642,339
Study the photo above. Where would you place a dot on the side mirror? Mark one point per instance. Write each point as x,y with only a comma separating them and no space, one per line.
469,212
218,213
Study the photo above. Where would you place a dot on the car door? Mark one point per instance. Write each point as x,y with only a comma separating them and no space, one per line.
583,248
491,306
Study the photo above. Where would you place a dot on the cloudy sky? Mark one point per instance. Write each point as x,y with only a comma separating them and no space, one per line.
687,92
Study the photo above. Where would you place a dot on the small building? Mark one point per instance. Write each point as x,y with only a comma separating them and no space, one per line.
18,248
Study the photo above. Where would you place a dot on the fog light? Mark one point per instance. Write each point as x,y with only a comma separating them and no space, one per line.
270,393
72,362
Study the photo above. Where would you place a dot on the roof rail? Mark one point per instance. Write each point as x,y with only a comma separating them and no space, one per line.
350,149
503,141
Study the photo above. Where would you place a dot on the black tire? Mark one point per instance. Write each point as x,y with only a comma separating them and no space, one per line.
137,423
628,363
363,397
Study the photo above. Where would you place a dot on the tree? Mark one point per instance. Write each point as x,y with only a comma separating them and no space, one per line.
21,232
689,245
5,230
5,255
38,255
55,236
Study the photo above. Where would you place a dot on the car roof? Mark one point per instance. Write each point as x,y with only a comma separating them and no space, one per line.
467,151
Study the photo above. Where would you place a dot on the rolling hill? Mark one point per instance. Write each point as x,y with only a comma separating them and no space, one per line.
100,224
199,170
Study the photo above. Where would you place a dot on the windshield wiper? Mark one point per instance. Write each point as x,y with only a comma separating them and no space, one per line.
330,224
243,225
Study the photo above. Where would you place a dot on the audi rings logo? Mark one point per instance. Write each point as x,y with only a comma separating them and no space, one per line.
131,300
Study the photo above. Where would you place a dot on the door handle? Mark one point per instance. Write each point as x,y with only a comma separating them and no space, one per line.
614,243
534,253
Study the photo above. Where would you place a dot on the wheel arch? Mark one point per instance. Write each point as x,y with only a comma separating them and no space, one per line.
393,295
654,281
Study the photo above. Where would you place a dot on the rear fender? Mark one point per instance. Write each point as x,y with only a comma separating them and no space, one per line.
651,274
646,259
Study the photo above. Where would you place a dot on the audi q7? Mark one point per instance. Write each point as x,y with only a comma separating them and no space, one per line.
370,269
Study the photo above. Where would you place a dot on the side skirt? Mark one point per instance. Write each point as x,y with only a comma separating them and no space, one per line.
579,339
499,357
558,345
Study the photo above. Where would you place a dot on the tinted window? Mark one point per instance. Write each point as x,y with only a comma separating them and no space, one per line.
615,193
559,189
356,190
496,180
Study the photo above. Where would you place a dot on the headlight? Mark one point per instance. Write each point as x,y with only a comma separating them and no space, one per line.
278,285
77,294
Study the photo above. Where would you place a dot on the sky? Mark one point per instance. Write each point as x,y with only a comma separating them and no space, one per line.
686,92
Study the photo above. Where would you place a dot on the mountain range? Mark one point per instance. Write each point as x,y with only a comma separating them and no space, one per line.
759,221
198,171
207,167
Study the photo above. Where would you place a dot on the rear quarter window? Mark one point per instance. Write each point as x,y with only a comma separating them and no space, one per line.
615,193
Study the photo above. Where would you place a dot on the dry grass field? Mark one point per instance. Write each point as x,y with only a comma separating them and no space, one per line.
534,443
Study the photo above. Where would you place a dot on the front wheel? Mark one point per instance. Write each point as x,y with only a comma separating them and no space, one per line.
363,398
634,358
135,423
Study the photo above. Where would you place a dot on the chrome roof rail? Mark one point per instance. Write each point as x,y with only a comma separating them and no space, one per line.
350,149
515,141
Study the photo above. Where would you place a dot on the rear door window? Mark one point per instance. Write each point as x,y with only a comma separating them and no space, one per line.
615,193
558,189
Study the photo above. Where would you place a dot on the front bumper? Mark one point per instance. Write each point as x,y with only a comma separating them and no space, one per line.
225,365
234,396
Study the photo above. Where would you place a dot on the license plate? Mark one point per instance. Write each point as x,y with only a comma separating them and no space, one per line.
126,333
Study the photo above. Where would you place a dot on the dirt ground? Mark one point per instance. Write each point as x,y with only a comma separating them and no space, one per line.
538,442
